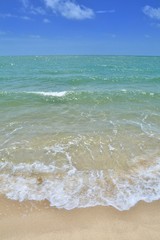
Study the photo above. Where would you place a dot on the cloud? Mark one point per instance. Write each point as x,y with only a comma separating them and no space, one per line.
29,8
35,36
25,3
37,10
46,20
152,12
147,36
25,18
8,15
111,35
106,11
67,8
70,9
155,24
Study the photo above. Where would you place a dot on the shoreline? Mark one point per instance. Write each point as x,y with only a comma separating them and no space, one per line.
32,220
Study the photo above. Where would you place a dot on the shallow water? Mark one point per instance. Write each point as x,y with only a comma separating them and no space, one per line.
80,130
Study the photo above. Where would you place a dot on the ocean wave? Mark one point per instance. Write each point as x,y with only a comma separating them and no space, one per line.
82,97
69,188
50,94
115,92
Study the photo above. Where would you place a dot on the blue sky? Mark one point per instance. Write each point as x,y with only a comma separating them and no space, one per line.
42,27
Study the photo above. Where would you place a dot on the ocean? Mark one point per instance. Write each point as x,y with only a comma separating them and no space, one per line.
80,131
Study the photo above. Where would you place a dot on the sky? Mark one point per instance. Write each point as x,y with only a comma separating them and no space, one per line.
108,27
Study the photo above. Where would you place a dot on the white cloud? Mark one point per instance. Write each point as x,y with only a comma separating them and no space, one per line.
46,20
111,35
25,3
8,15
37,10
25,18
106,11
152,12
147,36
70,9
34,36
155,24
29,8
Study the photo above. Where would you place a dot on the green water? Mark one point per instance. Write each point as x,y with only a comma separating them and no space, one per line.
89,126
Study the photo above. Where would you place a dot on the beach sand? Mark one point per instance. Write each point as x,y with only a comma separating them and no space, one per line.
31,220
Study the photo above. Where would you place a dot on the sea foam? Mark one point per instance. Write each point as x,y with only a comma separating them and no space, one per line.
50,94
70,188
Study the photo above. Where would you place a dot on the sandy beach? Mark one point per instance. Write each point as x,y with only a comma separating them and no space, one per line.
37,220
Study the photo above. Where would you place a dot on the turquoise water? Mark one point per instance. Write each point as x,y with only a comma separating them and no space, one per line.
80,131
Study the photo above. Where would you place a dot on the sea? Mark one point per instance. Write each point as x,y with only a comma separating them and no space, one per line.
80,131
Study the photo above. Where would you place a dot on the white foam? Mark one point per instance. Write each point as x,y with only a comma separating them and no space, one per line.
124,90
111,148
51,94
70,188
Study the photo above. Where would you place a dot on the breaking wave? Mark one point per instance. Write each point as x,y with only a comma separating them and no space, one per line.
69,188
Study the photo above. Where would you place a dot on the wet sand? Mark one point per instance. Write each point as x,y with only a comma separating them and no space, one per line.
31,220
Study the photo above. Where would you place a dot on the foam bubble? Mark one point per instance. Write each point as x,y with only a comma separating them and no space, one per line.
51,94
124,90
70,188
